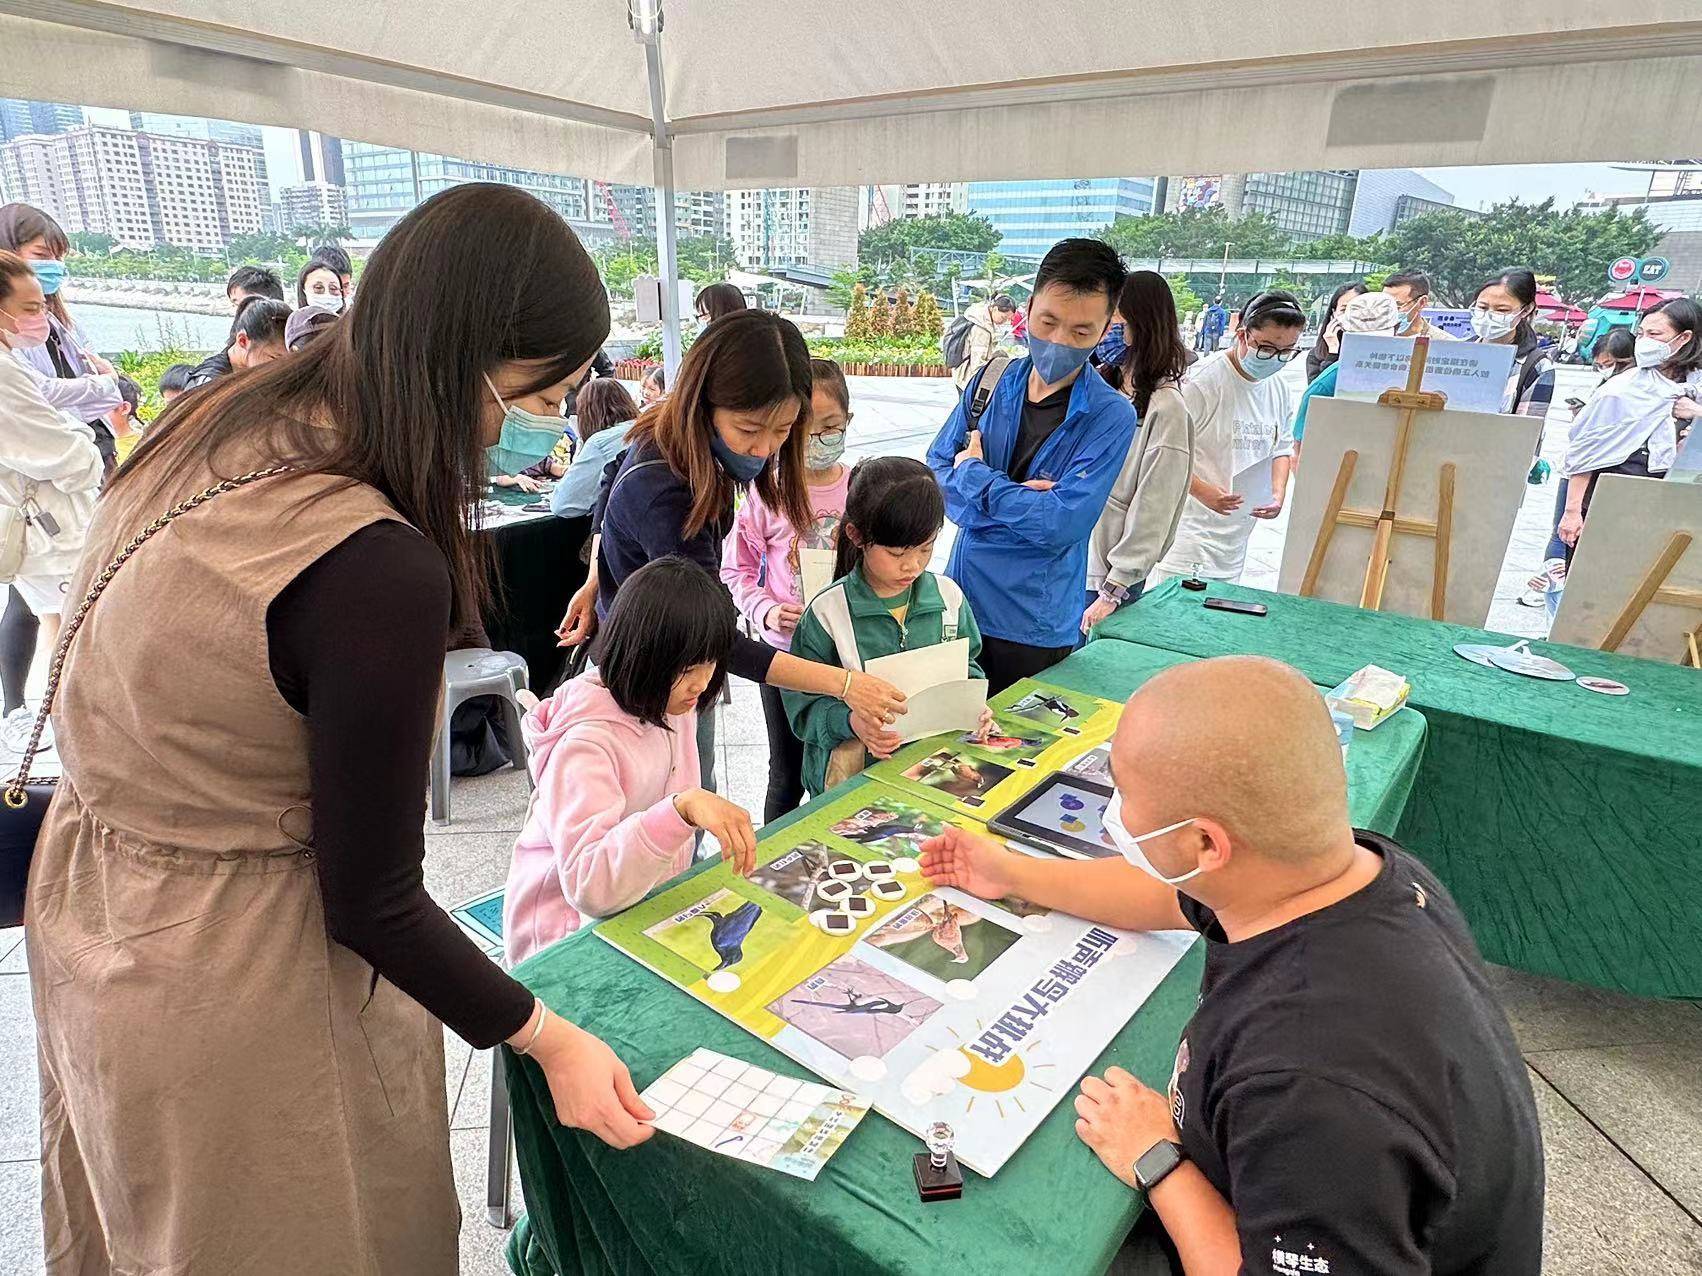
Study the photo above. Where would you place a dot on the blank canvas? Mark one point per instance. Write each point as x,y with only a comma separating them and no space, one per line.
1492,455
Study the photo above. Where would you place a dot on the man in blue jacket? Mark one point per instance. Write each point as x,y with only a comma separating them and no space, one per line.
1026,486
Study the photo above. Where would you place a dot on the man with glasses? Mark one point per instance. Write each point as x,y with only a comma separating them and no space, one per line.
1411,291
1242,414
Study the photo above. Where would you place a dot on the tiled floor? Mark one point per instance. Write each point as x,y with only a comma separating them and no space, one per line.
1618,1079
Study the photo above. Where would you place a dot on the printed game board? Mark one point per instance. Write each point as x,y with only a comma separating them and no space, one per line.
1038,729
752,1114
928,1002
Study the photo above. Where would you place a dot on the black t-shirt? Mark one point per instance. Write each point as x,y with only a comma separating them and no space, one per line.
1351,1085
1038,422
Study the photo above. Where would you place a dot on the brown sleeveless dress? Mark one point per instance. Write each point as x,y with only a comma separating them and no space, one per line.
224,1090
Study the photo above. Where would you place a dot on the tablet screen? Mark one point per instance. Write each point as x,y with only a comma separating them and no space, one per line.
1064,812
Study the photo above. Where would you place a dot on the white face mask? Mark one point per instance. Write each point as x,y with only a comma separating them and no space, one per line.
1130,845
1652,352
1492,325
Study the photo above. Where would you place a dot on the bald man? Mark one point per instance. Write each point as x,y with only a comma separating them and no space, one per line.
1348,1097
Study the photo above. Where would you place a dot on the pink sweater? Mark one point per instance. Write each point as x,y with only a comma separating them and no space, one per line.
760,561
602,829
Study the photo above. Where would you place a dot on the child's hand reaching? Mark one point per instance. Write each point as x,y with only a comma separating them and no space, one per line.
726,823
783,618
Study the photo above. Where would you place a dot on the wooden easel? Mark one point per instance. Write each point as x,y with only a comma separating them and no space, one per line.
1654,589
1386,522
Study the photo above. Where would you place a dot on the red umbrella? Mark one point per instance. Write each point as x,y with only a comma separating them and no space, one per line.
1555,310
1639,299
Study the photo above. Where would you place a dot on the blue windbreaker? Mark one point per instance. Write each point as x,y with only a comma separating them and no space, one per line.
1021,555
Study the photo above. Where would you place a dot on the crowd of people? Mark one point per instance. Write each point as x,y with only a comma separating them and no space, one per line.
319,591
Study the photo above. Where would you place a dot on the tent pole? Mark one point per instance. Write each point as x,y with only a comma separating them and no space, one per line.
667,244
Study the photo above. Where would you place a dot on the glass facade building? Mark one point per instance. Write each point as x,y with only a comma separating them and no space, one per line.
1032,216
1309,204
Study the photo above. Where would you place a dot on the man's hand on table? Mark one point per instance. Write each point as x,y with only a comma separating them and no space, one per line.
1120,1118
975,864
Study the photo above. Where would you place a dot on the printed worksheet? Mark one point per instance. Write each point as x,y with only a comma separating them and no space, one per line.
752,1114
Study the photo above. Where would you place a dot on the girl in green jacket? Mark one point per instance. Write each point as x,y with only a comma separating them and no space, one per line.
883,600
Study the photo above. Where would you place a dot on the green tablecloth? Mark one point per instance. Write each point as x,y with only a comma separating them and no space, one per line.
669,1207
1567,824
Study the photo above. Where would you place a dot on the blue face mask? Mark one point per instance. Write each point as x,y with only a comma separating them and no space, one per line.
1259,367
50,275
739,467
1055,362
526,437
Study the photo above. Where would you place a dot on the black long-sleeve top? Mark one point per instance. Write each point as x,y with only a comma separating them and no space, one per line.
357,644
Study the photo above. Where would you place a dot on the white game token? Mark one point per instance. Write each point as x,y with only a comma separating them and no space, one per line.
1604,686
834,891
723,981
878,871
857,906
906,864
833,922
845,870
887,890
961,990
866,1067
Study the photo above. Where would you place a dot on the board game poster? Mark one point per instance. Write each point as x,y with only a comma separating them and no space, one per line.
931,1003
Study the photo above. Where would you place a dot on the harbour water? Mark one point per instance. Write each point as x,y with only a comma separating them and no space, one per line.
110,329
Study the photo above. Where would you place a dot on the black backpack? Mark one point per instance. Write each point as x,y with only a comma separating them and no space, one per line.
954,345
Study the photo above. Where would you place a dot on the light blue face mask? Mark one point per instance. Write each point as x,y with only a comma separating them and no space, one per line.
1256,365
739,467
526,437
1055,362
50,275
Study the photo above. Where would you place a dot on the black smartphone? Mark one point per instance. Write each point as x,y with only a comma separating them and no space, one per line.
1237,606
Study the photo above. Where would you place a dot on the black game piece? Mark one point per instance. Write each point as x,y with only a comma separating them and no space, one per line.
938,1177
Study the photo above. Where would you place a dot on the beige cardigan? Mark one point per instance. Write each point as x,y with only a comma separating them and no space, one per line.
1145,504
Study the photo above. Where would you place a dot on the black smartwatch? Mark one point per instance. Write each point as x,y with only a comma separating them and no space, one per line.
1157,1162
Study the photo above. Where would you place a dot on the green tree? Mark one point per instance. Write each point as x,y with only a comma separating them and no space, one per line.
927,320
91,243
704,259
846,282
893,241
1197,232
903,317
857,314
1187,300
880,317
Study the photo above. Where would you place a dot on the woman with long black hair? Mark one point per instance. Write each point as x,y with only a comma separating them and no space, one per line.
241,1057
1328,348
1146,502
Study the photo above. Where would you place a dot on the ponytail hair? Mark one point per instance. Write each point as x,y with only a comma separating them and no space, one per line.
892,501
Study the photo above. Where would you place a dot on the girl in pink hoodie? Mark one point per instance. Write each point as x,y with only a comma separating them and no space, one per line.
762,565
613,755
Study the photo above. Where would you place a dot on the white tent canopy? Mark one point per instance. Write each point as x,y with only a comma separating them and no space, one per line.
814,93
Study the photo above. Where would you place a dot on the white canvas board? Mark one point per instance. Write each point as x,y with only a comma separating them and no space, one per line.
945,706
1472,375
1492,455
1630,522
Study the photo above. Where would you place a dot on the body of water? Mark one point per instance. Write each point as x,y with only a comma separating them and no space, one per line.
109,329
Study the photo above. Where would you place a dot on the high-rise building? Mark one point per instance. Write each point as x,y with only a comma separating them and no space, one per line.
701,213
1308,203
143,189
227,131
310,205
1032,216
19,117
892,200
629,211
794,226
1385,197
385,182
321,157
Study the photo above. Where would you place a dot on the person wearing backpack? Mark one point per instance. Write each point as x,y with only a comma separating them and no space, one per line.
1026,462
973,337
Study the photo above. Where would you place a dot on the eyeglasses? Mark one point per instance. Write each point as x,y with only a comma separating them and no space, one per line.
1284,355
830,436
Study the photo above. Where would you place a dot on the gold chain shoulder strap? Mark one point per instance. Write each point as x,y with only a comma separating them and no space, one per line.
15,796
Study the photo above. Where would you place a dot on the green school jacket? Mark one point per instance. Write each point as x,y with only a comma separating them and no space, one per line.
822,722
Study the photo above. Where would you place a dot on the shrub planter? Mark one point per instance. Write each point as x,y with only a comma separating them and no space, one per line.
633,369
891,370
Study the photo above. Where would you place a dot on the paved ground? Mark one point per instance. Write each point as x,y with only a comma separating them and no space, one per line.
1617,1079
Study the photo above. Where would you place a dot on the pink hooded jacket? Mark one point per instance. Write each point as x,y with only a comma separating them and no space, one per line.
602,829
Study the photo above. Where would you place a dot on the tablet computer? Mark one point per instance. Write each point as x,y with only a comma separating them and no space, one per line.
1063,813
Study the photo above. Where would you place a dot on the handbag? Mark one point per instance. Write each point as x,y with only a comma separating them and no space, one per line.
24,804
14,526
